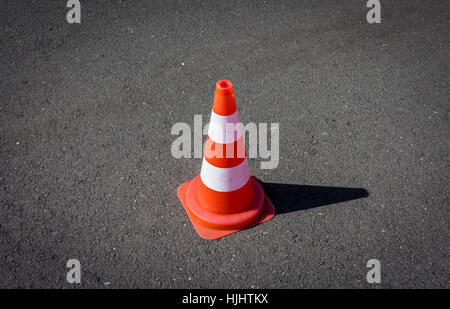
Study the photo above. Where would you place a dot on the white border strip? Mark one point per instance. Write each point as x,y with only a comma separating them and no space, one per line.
222,133
225,179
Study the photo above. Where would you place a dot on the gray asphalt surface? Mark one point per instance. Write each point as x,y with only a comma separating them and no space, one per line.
86,167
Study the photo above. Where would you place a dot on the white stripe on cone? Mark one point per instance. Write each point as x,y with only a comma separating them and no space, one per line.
222,133
225,179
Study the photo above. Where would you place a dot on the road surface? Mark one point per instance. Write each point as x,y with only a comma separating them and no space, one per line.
86,165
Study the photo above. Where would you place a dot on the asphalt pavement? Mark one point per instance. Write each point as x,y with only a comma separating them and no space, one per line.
86,112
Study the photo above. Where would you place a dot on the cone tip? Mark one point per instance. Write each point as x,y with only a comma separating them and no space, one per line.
224,102
224,85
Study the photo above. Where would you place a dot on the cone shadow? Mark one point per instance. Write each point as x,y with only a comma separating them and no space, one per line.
291,197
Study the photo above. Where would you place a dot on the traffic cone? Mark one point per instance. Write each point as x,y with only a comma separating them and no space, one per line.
224,198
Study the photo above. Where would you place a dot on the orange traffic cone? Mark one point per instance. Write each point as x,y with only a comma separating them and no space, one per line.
225,197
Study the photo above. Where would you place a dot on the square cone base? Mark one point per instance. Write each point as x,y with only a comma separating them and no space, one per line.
208,233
